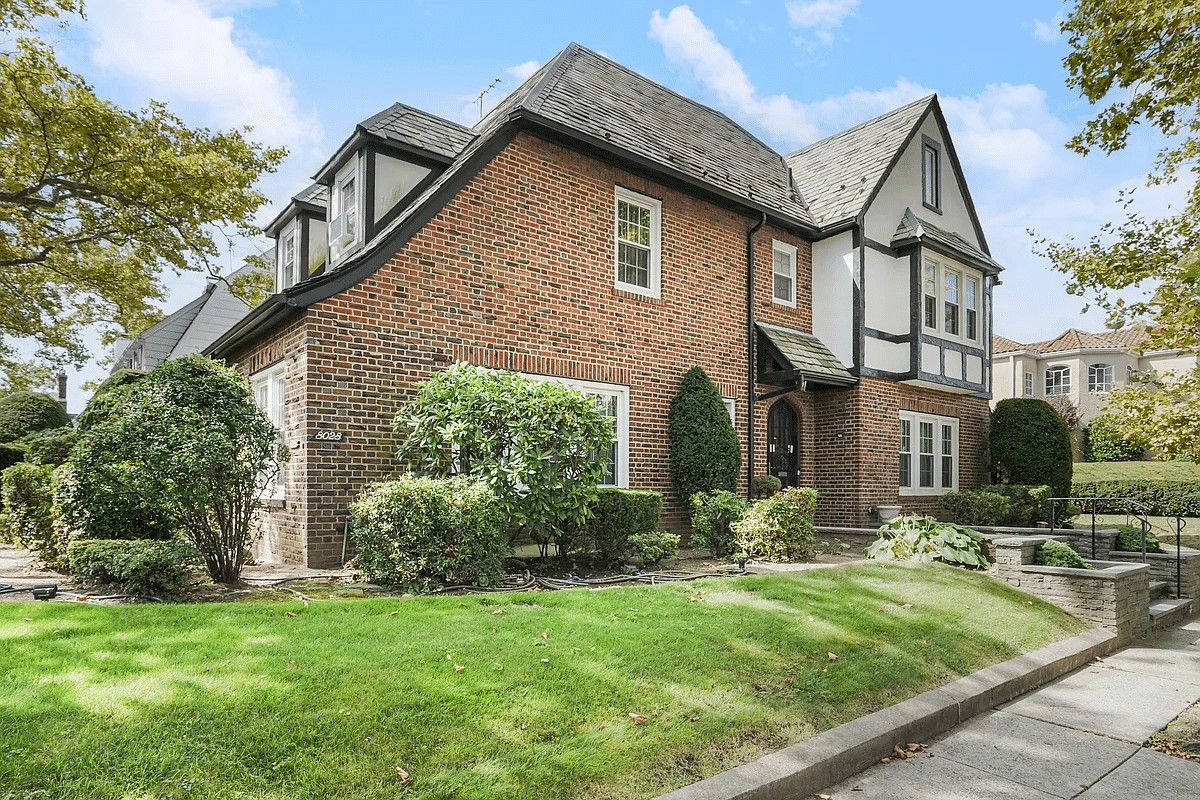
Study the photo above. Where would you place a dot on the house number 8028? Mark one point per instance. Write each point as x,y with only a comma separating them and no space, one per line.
328,436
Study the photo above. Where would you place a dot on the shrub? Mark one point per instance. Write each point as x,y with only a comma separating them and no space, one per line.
541,446
766,485
704,450
22,413
188,443
1105,442
1129,540
419,532
1026,504
979,507
50,446
1163,498
918,538
713,517
779,528
28,491
106,395
614,516
650,547
1056,554
158,569
88,506
1030,445
11,453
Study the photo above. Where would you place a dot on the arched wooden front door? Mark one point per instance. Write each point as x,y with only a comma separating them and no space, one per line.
783,446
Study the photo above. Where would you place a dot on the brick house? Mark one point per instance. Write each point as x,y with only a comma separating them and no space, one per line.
601,230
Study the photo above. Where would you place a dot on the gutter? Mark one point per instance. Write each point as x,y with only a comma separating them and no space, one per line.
750,371
268,314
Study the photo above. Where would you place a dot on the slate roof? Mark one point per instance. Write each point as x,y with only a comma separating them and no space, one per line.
806,354
317,195
913,227
1075,339
419,129
837,175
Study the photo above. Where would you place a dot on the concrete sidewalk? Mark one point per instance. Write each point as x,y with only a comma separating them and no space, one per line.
1080,736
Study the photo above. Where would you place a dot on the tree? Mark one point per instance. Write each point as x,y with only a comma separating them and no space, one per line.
1141,59
704,450
22,413
188,442
95,201
542,447
1030,445
1161,414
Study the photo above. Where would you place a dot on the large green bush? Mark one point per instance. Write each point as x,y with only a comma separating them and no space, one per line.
703,447
1027,505
28,519
918,538
541,446
713,517
419,533
780,527
22,413
979,507
11,453
158,569
1106,443
1030,444
50,446
1163,498
100,405
187,442
88,505
615,515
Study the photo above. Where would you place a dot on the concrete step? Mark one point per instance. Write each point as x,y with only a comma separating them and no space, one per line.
1158,589
1165,613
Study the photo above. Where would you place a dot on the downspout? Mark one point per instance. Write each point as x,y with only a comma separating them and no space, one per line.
750,370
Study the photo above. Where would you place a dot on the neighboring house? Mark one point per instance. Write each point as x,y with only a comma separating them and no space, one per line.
191,329
598,229
1084,367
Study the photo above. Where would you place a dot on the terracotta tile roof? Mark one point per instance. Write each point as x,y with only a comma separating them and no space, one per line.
1002,345
1075,339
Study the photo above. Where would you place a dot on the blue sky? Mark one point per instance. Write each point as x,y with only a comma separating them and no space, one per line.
303,72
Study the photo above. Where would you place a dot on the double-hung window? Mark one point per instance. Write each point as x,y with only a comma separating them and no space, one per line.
343,211
269,388
288,262
1100,378
950,301
928,454
1058,380
930,294
950,282
783,273
971,301
637,241
1029,384
612,401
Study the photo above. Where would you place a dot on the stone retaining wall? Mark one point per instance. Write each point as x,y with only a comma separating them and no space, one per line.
1162,568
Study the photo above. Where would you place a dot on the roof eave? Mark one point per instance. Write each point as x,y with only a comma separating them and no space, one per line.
267,316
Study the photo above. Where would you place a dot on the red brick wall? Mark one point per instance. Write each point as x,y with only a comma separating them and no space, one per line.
517,272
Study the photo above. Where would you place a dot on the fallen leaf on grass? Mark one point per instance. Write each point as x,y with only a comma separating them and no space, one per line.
405,778
394,613
546,634
462,605
822,796
810,619
545,661
693,719
832,656
459,667
787,681
638,719
290,613
493,630
27,619
498,612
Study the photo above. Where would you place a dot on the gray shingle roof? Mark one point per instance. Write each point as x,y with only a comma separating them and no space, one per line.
806,354
913,227
837,175
316,194
419,129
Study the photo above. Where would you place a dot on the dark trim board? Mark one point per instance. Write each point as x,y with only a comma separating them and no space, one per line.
893,338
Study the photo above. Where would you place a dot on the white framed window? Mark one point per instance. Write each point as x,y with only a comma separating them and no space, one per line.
344,228
613,401
950,301
287,260
731,407
1058,380
1029,384
637,233
931,174
928,454
783,273
1100,378
270,389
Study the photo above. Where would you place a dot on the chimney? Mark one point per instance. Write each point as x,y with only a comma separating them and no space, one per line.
62,390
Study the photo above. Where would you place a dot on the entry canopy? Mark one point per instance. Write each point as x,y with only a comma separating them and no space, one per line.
792,359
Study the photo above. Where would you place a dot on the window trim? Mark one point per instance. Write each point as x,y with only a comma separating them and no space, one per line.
349,172
269,387
622,427
621,194
940,304
790,251
1029,390
931,154
1101,387
1059,387
731,407
940,426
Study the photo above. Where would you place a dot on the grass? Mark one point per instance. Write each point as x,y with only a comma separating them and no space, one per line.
279,700
1137,470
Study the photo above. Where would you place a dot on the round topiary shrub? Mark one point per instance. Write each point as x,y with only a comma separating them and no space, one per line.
1057,554
1030,445
779,528
1106,443
22,413
704,449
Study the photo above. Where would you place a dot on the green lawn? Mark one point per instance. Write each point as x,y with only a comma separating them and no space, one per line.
1134,470
485,696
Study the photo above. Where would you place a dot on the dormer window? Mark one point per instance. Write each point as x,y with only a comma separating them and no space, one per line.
950,301
343,211
288,261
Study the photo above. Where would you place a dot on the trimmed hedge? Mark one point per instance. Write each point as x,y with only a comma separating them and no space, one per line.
23,413
780,527
1030,445
1005,505
418,533
11,453
28,491
703,447
1164,498
651,547
158,569
616,514
1129,540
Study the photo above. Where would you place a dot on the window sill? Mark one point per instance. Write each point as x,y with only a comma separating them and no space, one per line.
627,290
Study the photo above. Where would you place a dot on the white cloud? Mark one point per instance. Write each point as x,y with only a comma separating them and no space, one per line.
1048,32
523,70
820,15
181,53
